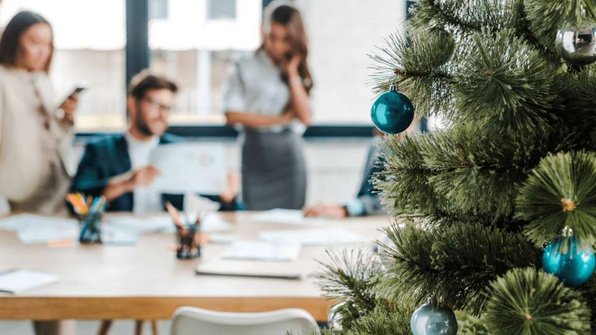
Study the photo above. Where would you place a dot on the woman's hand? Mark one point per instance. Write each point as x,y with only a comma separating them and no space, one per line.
329,211
69,106
291,66
287,116
300,102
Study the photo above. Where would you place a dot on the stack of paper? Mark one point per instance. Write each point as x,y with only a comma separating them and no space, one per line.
262,251
287,216
324,236
16,281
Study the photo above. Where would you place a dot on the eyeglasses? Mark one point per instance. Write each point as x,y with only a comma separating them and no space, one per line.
156,106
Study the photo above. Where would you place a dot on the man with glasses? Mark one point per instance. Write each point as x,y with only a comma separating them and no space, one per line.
117,166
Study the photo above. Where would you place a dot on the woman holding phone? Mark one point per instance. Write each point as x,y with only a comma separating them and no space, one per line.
35,132
267,96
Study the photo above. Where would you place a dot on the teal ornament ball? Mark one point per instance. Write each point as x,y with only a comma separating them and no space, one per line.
569,260
392,112
430,319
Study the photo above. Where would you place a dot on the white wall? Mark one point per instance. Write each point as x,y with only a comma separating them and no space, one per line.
341,35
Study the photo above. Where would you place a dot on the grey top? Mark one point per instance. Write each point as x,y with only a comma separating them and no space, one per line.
254,85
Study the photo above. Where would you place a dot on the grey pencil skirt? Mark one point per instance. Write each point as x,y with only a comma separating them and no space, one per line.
273,170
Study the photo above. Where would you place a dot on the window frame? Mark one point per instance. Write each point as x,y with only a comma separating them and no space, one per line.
138,58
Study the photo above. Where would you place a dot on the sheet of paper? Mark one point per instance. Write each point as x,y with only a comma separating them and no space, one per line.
215,223
221,238
118,237
194,203
26,221
45,234
323,236
190,167
262,251
138,225
32,228
17,281
222,267
287,216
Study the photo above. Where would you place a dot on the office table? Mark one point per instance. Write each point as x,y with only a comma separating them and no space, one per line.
146,281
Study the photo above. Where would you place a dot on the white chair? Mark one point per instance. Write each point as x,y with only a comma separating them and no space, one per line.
197,321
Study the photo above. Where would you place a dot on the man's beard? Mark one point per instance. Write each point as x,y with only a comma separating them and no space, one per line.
143,127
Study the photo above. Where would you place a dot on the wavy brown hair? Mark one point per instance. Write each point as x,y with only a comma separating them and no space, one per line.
290,17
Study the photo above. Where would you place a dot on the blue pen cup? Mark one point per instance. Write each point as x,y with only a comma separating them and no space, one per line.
90,225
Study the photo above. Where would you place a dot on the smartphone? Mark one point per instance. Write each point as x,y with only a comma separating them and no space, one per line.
77,90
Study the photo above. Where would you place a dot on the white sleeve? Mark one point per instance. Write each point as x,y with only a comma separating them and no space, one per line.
234,91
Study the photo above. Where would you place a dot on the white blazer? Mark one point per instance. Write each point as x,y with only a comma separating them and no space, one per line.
24,148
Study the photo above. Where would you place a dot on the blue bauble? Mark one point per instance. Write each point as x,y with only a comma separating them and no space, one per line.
392,112
569,260
433,320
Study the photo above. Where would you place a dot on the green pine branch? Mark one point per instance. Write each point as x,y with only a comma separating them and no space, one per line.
461,172
350,276
384,320
418,65
530,302
560,192
461,15
575,109
470,325
521,24
588,292
505,85
453,263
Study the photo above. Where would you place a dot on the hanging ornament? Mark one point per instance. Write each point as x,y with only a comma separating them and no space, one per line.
431,319
577,45
392,112
569,260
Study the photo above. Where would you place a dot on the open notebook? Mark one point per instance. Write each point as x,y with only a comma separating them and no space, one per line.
257,269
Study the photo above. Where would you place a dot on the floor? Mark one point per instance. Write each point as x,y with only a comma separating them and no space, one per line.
121,327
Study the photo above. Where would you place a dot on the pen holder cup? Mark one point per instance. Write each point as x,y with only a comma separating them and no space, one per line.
187,244
90,225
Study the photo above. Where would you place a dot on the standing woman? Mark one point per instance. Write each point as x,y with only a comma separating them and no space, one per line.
35,133
267,95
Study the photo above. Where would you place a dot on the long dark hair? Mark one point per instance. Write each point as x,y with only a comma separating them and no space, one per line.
290,17
11,37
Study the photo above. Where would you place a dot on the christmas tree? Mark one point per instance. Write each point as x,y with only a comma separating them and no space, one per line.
495,215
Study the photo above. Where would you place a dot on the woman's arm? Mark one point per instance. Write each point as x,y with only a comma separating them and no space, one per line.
299,99
257,120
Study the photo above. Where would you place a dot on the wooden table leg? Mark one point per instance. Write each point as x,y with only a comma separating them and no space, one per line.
51,327
104,327
138,327
154,329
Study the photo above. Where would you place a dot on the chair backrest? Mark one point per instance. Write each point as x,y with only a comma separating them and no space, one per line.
197,321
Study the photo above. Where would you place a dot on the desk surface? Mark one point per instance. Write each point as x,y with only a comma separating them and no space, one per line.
146,281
